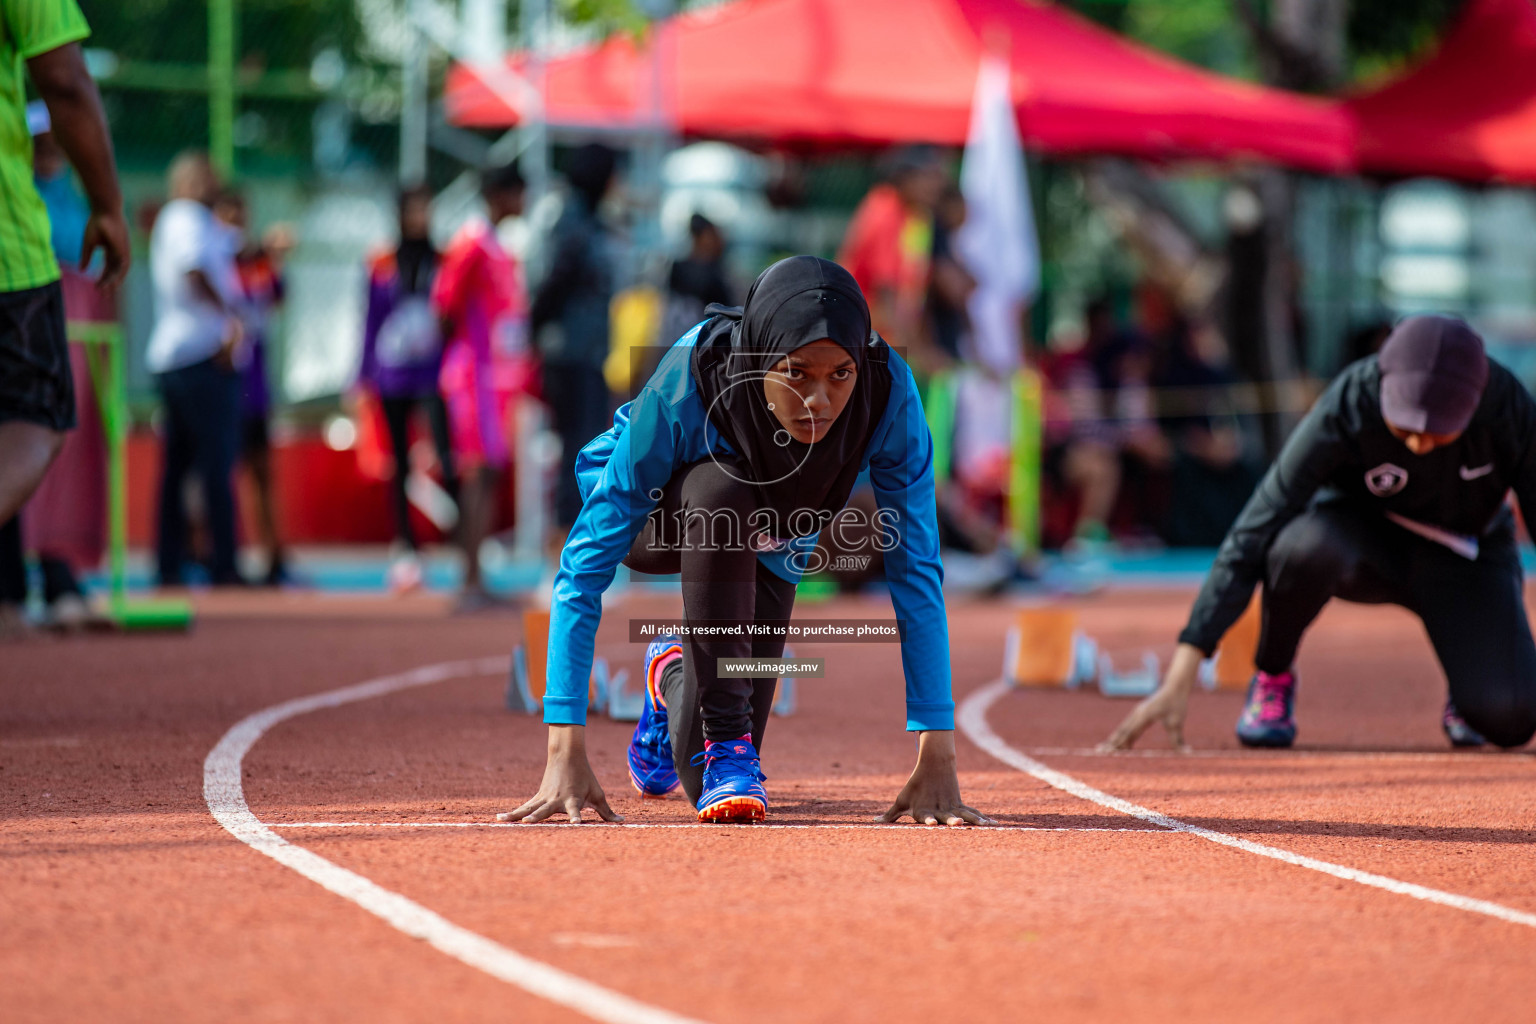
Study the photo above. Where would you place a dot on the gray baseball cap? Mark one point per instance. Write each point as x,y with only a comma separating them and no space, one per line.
1433,371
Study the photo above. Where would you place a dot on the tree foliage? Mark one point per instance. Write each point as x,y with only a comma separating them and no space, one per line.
1381,34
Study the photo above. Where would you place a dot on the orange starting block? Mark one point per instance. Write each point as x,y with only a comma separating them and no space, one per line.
1046,648
1234,655
525,688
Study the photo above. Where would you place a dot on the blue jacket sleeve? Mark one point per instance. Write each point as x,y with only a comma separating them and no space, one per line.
641,449
901,471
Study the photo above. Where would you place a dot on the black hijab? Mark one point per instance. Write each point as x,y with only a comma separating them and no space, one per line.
793,303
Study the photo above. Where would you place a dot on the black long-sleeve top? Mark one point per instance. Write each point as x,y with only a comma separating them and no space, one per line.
1343,451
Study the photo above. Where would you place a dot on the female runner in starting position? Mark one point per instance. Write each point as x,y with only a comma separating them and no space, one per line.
1391,491
740,449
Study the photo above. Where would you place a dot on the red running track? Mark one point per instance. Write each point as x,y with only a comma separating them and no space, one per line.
125,900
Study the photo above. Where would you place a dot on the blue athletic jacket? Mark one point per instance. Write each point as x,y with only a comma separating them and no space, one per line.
622,473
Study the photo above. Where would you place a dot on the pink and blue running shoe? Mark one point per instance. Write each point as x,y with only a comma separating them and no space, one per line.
1268,719
650,749
1461,735
733,782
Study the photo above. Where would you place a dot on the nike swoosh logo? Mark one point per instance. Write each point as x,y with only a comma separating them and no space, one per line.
1473,474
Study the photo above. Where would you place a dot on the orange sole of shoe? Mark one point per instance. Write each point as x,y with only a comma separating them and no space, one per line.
734,810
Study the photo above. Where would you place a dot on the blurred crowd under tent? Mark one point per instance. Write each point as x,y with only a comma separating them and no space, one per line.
1409,195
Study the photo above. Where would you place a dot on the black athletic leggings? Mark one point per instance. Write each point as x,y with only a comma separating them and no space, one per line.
1473,611
397,419
699,531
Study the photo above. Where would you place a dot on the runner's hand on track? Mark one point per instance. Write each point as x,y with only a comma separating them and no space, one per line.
932,794
568,786
1169,705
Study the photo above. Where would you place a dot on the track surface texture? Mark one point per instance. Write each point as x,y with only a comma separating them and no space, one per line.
123,899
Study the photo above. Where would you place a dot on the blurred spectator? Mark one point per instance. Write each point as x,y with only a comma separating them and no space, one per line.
1081,449
259,274
1210,479
700,277
952,284
65,522
482,298
889,250
1123,360
696,281
402,358
192,352
570,321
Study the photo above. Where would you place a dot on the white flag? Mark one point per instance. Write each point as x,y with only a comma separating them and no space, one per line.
997,244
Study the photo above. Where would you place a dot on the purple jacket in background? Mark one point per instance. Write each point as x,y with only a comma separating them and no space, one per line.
399,359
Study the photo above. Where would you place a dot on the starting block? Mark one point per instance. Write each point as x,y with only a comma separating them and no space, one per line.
525,687
1045,647
1233,664
606,690
1139,682
784,702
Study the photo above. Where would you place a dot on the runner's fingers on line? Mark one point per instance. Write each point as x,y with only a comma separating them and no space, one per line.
573,806
972,816
600,803
1174,724
519,813
1129,731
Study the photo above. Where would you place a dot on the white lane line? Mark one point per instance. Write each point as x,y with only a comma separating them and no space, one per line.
972,719
758,827
225,797
1431,756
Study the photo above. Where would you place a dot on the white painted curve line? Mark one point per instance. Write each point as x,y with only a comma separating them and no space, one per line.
972,719
225,795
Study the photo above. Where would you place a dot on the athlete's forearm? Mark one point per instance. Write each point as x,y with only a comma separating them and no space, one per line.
936,748
80,125
567,743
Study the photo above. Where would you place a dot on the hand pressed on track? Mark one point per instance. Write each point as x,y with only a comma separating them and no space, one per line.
569,784
1169,705
932,793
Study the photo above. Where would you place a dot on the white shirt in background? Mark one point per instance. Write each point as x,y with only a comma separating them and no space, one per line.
188,328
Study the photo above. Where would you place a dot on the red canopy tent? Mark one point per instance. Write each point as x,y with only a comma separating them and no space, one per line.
1469,111
824,72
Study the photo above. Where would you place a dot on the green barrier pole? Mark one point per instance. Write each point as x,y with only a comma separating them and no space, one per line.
104,347
221,85
939,409
1024,463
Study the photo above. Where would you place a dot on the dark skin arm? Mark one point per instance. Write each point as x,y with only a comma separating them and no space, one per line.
79,124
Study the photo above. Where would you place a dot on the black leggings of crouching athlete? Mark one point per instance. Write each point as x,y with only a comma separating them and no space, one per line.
699,531
1473,611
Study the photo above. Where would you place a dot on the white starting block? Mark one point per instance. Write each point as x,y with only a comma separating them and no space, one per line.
784,702
1141,682
606,691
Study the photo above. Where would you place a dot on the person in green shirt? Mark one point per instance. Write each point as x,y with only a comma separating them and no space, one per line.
37,402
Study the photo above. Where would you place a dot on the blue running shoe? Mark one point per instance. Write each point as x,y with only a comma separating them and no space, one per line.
650,749
1268,719
733,783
